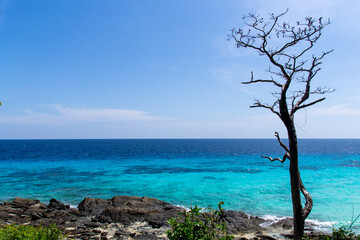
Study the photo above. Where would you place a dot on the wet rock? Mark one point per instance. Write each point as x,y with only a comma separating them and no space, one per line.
286,223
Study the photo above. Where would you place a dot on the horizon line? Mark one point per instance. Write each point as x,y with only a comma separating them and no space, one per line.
199,138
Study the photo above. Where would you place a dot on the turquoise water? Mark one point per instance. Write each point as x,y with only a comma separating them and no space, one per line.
185,172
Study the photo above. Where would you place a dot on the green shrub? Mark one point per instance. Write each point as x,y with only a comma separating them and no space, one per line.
26,232
196,225
341,233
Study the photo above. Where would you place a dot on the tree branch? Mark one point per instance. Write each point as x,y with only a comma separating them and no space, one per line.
261,80
281,143
271,108
286,156
305,105
312,71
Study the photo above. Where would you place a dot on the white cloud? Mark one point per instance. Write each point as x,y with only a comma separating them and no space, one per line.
67,115
103,115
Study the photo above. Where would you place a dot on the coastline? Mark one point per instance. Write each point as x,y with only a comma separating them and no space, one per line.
191,172
131,217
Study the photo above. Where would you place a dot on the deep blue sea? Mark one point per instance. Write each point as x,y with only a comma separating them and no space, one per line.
186,172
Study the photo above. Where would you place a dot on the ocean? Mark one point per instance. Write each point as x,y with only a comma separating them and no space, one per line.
187,172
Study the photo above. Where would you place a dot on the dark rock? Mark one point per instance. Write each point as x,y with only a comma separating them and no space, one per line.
45,221
103,236
36,216
286,223
75,212
36,209
155,223
87,233
40,205
239,222
124,215
102,219
97,231
92,224
127,209
58,205
145,237
24,202
265,237
4,215
60,214
91,206
25,218
13,210
288,236
120,234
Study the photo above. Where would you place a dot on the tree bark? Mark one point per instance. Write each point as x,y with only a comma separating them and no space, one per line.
298,219
295,179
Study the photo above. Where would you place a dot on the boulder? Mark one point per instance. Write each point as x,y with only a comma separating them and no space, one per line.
57,205
286,223
129,209
21,202
124,215
240,222
92,207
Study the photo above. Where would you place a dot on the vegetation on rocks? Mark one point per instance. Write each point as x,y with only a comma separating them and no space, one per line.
194,224
27,232
341,233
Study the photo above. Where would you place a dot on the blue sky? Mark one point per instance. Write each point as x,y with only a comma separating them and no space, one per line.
160,69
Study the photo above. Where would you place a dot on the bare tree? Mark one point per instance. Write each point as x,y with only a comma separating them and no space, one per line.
291,71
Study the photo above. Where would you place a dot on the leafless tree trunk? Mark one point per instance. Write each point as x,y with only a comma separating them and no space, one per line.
287,49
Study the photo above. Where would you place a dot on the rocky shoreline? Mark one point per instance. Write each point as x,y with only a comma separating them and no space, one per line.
128,217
